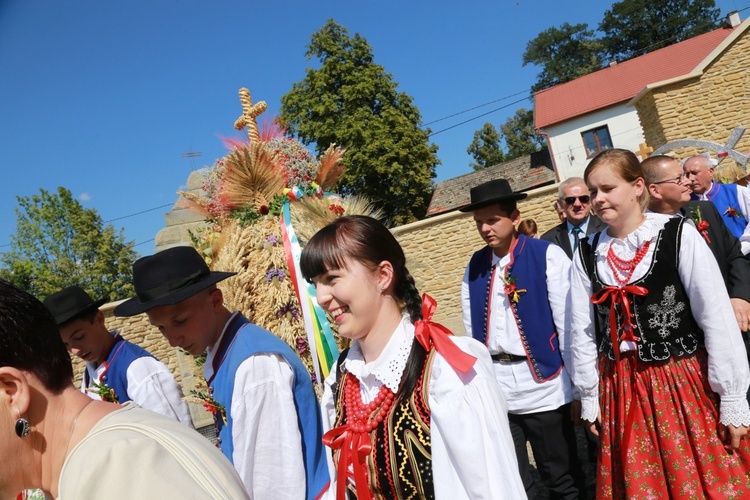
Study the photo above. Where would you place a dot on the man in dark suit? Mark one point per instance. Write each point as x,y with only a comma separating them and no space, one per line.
579,222
669,191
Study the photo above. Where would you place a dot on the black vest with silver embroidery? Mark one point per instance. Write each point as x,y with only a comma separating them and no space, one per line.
662,318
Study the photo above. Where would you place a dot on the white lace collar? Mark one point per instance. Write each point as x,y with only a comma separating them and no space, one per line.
627,246
390,365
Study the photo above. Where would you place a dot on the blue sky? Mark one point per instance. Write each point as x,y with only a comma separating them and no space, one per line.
103,97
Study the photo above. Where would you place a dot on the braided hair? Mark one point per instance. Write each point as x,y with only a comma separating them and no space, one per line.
369,242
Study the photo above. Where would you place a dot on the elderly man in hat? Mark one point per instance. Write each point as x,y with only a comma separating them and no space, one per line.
266,410
514,296
116,370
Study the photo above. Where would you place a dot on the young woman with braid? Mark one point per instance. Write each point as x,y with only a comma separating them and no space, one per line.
657,353
410,411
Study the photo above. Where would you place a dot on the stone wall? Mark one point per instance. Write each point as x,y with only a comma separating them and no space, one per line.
708,107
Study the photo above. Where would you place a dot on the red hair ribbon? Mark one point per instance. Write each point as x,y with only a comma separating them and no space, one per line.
618,295
431,334
703,228
355,447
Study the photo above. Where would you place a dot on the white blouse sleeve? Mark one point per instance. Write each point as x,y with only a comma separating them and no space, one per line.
472,449
265,433
152,386
728,372
743,194
466,303
583,370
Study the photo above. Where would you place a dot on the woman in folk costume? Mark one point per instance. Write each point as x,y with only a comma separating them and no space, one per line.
657,353
411,412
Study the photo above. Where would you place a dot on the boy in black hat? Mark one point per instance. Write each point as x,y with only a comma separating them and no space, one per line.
266,410
116,370
514,297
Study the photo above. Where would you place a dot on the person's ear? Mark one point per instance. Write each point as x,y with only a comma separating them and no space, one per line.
515,217
653,190
14,390
99,319
385,275
217,299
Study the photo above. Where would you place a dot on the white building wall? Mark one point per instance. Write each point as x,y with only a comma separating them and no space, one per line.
566,144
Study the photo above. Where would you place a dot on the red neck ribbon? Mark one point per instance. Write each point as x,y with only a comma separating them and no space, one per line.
431,334
355,447
619,295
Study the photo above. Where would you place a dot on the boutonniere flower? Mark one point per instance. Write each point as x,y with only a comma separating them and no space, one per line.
733,212
700,224
105,392
209,403
511,289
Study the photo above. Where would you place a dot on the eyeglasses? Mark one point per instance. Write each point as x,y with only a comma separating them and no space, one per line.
676,180
584,198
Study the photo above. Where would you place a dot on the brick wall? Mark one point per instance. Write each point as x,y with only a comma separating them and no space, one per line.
706,108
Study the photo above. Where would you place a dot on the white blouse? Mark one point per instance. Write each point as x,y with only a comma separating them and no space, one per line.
472,449
728,372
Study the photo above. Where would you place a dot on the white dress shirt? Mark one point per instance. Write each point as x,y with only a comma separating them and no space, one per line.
150,385
571,235
743,198
522,392
265,433
728,372
472,450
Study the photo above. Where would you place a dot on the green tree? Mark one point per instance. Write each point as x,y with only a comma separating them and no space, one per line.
352,101
485,148
520,136
59,243
634,27
563,53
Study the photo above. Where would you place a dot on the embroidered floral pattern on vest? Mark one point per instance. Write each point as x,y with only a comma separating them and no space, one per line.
665,315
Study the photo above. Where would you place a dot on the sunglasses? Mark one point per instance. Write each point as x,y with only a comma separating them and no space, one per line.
584,198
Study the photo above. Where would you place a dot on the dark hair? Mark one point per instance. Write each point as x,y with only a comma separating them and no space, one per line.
30,340
624,163
369,242
527,227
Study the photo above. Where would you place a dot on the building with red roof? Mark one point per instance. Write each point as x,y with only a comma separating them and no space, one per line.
594,112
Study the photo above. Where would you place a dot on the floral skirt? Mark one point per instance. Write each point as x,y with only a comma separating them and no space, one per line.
659,435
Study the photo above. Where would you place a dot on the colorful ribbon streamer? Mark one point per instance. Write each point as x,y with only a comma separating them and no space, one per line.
319,334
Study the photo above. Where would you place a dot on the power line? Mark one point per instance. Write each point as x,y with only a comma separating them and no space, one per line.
124,217
475,107
478,116
139,213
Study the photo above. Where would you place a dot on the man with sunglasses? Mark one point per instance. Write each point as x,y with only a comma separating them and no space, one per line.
576,205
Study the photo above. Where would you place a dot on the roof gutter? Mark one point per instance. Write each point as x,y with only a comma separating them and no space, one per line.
551,153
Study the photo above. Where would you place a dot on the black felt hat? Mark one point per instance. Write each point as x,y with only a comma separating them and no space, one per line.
487,193
168,277
70,303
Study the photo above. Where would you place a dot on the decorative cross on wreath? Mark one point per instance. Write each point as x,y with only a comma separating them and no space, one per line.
250,112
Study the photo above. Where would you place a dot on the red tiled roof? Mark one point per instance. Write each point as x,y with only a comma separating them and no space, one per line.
624,80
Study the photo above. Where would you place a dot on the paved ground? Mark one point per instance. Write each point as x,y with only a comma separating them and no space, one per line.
589,469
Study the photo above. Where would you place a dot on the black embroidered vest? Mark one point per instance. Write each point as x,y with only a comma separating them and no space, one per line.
662,318
400,463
